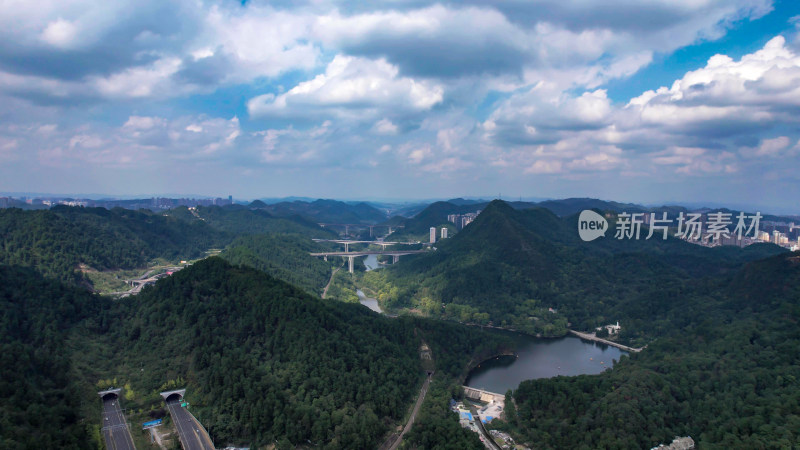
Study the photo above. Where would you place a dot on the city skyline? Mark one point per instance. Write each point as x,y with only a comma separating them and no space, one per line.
673,103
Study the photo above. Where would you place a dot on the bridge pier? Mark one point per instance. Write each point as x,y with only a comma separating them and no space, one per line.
346,247
395,259
351,263
370,231
390,230
325,258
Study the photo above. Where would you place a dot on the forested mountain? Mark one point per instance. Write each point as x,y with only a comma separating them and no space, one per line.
57,241
262,360
39,399
328,211
570,206
237,219
269,362
435,215
284,256
510,266
726,375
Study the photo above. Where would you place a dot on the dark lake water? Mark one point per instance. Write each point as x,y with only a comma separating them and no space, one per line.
543,358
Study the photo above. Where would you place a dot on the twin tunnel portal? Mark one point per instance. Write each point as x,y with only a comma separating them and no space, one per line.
117,433
116,429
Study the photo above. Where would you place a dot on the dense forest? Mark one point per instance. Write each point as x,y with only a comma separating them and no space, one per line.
39,399
727,376
284,256
64,242
58,241
262,360
510,267
327,211
237,219
268,362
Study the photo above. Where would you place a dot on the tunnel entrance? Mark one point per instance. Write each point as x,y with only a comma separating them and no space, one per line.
173,397
110,396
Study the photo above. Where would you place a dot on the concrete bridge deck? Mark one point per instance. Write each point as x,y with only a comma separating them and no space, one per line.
352,255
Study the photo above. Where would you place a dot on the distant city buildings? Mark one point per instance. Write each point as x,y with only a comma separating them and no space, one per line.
444,233
462,220
778,233
154,204
433,235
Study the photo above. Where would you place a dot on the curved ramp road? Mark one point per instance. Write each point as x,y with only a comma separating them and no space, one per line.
115,427
192,435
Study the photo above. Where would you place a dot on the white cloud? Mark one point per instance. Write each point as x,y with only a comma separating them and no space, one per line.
417,155
260,41
544,167
447,165
7,148
775,147
60,33
757,88
144,81
384,126
350,87
142,122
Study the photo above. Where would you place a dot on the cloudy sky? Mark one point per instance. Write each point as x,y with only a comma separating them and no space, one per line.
632,100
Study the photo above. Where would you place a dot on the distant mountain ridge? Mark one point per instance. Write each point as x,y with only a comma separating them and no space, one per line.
327,211
509,264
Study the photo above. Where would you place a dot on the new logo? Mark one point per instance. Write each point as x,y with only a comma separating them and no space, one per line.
591,225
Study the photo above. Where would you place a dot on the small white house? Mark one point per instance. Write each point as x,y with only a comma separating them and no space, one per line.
611,328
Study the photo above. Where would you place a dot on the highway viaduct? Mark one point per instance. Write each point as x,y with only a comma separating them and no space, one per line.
347,227
352,255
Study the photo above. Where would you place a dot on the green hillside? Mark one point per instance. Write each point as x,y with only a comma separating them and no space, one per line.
58,241
262,360
434,215
509,267
237,219
328,211
39,398
726,376
284,256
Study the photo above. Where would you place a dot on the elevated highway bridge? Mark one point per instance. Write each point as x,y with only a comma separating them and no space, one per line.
352,255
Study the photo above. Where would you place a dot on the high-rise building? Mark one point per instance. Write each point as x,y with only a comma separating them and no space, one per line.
433,235
444,232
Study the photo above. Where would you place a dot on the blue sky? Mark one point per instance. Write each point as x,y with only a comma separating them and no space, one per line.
645,101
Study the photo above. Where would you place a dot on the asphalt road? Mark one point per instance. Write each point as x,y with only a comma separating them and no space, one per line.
192,435
115,427
417,405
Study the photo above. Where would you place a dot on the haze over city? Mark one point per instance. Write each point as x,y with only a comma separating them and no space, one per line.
632,101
